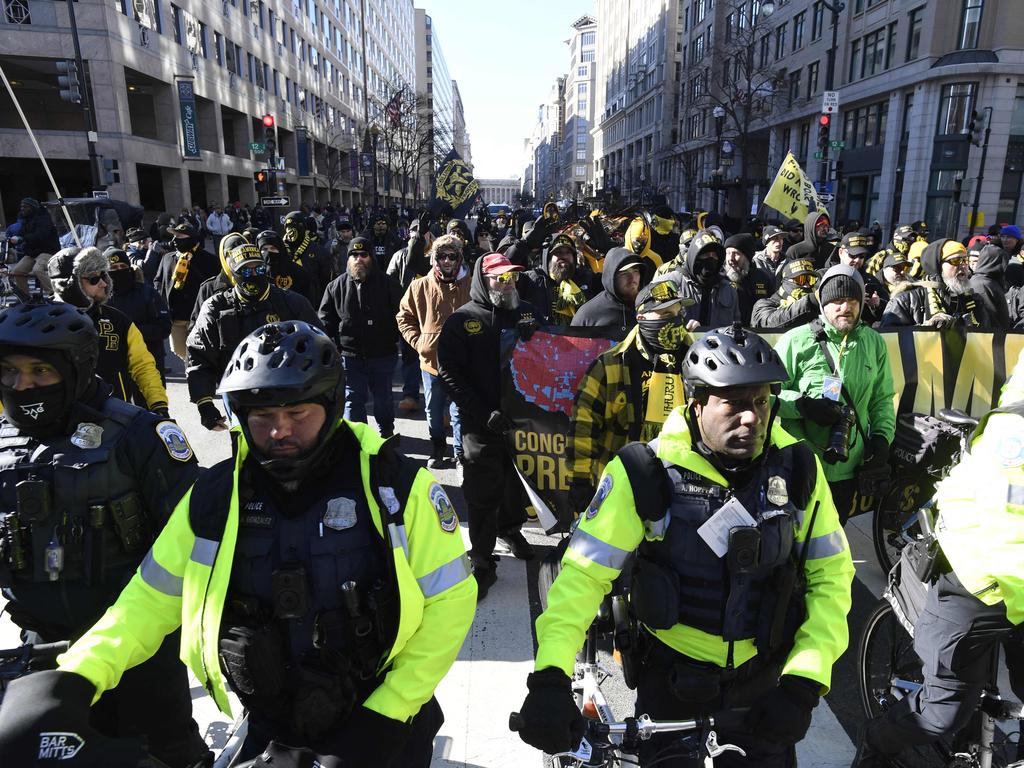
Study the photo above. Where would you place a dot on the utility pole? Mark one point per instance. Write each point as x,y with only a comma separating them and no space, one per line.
830,75
981,173
90,117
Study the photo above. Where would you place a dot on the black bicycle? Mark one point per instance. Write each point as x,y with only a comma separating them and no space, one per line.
919,464
890,670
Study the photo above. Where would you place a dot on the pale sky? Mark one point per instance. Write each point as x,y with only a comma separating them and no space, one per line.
505,57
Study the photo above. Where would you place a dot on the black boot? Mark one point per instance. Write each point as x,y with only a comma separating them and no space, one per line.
485,571
437,459
867,756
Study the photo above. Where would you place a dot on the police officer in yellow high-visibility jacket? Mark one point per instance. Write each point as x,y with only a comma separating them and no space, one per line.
977,601
723,515
318,574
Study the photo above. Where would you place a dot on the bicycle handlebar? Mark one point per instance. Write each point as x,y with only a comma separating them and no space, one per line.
643,727
38,651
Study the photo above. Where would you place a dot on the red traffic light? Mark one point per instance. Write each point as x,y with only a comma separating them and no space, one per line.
268,121
259,176
825,120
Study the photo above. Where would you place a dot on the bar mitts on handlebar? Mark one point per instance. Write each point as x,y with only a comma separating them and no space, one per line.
371,739
783,714
45,716
551,720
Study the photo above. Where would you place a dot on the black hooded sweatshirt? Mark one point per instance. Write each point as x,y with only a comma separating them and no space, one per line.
608,308
469,353
811,248
989,285
537,287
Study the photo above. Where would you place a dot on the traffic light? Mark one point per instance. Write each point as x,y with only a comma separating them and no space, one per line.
270,134
67,81
974,129
260,177
824,125
111,172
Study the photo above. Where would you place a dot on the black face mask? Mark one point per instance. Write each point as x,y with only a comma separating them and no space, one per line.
254,288
38,411
665,335
122,280
185,244
705,272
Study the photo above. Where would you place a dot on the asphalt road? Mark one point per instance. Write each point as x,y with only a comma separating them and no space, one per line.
489,678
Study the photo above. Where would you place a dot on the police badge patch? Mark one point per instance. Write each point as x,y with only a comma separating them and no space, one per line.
602,493
777,493
340,514
87,436
174,441
443,507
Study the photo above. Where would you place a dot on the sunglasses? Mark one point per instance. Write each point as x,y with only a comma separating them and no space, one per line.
899,269
447,256
805,280
95,279
247,273
359,255
956,261
504,278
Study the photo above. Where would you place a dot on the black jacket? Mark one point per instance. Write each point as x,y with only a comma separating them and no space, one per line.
607,308
757,285
361,317
289,276
383,247
223,321
469,354
989,285
181,301
536,287
38,234
147,309
811,248
778,312
410,262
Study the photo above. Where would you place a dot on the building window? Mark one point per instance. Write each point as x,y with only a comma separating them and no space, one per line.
798,30
780,41
765,47
581,170
581,89
581,105
915,21
794,86
874,53
865,126
581,154
817,20
812,78
955,108
587,38
176,22
587,56
730,22
970,23
805,139
581,71
218,44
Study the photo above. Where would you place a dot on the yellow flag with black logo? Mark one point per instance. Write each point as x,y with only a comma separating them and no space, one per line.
792,193
455,188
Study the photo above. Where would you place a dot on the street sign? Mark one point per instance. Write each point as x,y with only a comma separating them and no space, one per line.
257,147
101,194
727,147
819,155
837,144
274,202
829,102
823,187
727,161
826,198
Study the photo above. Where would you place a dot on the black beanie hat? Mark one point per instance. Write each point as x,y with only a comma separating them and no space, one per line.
839,287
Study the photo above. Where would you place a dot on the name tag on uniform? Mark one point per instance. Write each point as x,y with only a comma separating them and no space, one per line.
715,531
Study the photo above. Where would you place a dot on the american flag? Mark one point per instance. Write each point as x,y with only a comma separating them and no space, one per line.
394,108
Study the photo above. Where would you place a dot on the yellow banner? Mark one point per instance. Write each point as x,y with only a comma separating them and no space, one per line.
792,193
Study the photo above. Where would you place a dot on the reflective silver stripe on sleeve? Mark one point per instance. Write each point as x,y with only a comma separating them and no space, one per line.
445,577
204,551
398,537
1015,494
159,578
826,546
597,551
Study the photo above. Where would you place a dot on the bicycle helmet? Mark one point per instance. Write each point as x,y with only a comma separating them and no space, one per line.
282,364
730,357
52,326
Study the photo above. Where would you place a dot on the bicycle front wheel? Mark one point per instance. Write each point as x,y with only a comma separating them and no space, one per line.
889,670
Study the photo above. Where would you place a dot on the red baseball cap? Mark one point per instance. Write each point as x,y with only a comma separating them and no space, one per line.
498,264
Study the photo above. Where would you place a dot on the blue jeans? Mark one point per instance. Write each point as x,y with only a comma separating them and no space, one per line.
370,376
436,400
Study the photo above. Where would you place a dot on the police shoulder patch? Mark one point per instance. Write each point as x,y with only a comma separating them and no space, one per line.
602,493
174,441
473,326
443,507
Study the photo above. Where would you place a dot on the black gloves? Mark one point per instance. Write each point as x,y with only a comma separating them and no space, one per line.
499,423
783,714
526,326
820,410
551,720
371,740
46,714
282,756
876,454
581,492
210,416
162,412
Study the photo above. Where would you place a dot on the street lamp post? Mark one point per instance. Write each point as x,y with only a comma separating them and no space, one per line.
719,114
374,135
835,8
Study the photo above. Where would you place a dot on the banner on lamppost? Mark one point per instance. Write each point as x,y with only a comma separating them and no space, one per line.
189,120
145,13
302,150
792,193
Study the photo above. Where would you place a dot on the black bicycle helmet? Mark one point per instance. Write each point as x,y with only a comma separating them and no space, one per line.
731,357
56,326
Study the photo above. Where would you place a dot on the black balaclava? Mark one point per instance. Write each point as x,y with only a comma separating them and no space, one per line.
294,229
40,412
247,257
664,335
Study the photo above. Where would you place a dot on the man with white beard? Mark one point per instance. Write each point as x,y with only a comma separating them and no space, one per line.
944,299
750,281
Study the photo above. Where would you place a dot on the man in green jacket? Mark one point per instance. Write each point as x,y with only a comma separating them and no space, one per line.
839,394
317,573
721,515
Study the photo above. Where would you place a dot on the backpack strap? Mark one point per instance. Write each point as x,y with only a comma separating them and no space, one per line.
391,479
652,490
